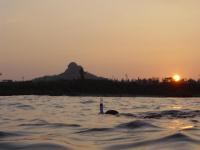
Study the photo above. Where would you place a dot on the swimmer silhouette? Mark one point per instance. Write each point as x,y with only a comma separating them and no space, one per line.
109,112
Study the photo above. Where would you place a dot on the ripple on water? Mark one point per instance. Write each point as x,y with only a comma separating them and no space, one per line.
169,140
87,101
37,146
48,124
43,123
165,114
172,114
4,134
93,130
25,107
21,106
136,125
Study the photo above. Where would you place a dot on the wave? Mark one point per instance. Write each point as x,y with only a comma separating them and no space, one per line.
87,101
136,124
59,106
128,115
25,107
43,123
95,130
36,122
14,104
4,134
21,106
173,114
165,114
38,146
176,138
130,125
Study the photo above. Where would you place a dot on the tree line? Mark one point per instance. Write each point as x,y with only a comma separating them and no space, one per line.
107,87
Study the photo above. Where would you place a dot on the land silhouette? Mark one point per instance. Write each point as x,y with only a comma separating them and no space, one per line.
73,72
75,81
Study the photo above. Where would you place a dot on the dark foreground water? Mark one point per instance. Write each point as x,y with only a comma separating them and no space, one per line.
63,123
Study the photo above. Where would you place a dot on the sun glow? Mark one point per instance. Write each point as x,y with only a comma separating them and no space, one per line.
176,77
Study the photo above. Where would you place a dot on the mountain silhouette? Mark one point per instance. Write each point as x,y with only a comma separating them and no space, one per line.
73,72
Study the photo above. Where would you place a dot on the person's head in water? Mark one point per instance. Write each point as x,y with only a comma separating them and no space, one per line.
110,112
101,106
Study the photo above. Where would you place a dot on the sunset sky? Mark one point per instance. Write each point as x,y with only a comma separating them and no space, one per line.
111,38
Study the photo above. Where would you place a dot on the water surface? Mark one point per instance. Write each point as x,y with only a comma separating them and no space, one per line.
73,123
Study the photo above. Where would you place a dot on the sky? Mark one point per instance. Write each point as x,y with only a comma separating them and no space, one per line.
110,38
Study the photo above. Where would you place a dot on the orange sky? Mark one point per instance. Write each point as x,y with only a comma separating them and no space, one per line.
111,38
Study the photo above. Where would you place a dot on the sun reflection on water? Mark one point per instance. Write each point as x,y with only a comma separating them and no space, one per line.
178,124
177,107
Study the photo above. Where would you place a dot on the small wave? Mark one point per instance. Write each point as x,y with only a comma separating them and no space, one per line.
60,125
136,124
36,122
59,106
6,119
95,130
25,107
8,134
172,114
14,104
87,102
42,123
128,115
39,146
177,137
165,114
21,106
19,119
174,138
194,121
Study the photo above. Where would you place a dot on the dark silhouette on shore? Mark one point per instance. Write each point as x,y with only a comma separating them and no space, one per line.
73,72
86,87
77,82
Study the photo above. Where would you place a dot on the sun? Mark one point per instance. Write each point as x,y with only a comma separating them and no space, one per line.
176,78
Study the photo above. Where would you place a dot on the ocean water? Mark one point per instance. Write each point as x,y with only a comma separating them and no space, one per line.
73,123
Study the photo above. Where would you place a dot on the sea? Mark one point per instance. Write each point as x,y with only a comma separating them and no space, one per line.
74,123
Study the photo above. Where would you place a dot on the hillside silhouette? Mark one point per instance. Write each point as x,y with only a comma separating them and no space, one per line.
73,72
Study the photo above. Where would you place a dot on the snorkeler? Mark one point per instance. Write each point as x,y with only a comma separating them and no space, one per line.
101,106
110,112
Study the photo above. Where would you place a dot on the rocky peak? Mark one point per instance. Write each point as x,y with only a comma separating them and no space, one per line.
73,68
74,71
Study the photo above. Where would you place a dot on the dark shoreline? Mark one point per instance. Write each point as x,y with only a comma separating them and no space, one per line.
133,96
107,88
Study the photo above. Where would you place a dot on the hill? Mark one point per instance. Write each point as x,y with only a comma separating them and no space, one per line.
73,72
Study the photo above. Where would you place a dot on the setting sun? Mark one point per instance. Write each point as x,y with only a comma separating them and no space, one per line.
176,77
